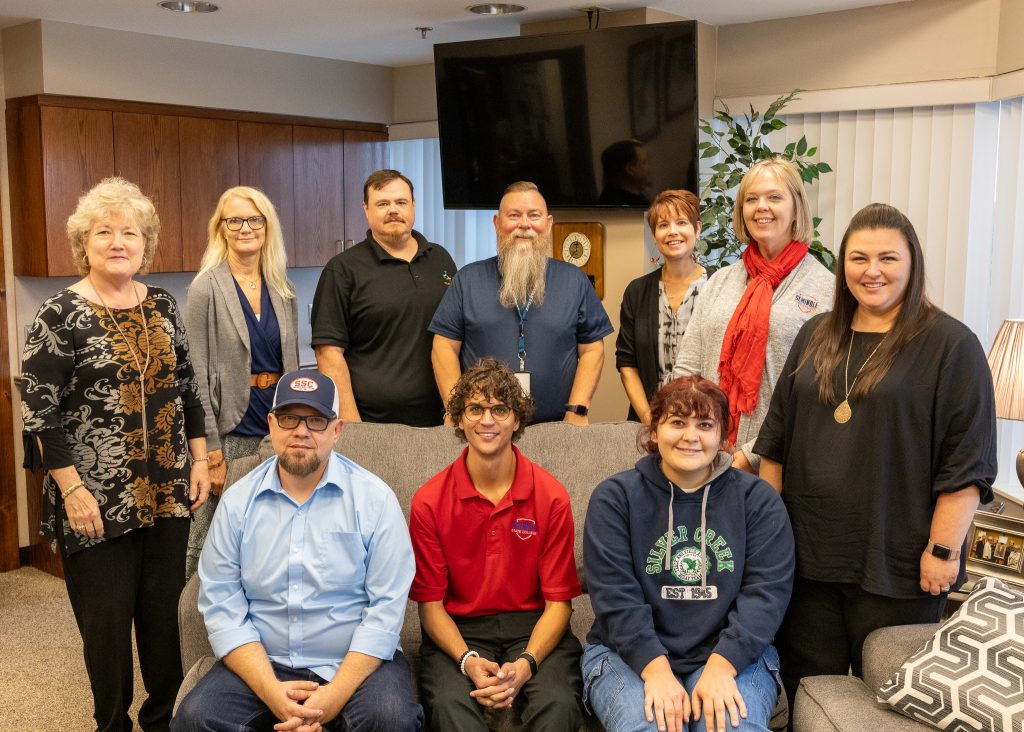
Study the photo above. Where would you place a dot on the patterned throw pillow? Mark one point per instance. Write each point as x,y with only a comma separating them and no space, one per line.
970,675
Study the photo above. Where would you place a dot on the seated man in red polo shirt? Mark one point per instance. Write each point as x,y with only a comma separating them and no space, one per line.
495,573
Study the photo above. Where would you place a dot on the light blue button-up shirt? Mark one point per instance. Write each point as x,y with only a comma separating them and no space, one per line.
313,581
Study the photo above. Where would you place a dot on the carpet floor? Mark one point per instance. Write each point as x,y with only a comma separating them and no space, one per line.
43,685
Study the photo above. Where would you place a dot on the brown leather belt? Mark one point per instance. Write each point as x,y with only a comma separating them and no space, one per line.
263,380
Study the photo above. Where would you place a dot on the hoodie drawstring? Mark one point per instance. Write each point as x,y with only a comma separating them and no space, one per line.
703,534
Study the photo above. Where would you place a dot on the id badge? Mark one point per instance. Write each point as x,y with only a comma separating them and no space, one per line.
523,377
688,592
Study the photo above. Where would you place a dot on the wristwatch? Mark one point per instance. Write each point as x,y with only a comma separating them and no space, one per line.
577,409
942,551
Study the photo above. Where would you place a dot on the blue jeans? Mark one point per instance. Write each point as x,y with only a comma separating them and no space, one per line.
222,702
615,693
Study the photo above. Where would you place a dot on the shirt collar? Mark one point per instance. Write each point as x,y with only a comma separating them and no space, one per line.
422,246
522,483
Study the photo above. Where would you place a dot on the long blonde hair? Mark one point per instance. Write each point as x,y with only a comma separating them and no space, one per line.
273,258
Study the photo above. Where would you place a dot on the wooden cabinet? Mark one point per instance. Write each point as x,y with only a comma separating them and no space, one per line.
320,185
266,161
55,154
184,158
146,153
209,166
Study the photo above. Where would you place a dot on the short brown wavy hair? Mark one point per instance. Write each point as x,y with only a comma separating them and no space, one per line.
491,379
686,396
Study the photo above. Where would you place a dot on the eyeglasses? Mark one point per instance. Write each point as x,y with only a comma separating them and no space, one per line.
475,412
255,222
313,422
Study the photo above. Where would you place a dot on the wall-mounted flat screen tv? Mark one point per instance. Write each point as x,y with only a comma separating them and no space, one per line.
597,118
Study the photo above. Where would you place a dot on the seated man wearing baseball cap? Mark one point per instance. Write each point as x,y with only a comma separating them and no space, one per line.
495,573
305,575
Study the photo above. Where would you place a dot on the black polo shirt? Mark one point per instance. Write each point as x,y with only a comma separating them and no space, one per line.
377,307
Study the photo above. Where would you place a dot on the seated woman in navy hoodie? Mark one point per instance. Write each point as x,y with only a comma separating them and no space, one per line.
689,563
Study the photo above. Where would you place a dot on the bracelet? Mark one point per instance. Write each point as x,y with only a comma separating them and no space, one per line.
64,494
201,460
530,659
465,657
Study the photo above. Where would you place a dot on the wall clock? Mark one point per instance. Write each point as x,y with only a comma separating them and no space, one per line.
581,244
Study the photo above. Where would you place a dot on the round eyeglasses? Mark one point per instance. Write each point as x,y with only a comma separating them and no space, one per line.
234,223
314,422
475,412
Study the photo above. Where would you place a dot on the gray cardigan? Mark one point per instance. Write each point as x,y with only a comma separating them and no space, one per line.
806,291
218,342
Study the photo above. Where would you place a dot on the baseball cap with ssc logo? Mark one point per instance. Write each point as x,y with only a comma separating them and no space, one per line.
308,387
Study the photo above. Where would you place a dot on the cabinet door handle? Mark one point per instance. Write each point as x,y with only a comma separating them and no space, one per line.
339,246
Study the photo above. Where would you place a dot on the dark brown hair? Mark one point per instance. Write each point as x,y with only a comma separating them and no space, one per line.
380,178
686,396
828,345
676,202
490,379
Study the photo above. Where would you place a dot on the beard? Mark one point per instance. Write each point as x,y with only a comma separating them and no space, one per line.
300,467
522,270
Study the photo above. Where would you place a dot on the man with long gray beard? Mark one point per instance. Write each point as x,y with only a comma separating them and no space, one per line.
539,315
305,575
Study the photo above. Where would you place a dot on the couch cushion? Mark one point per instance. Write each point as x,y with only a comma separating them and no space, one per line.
844,704
970,674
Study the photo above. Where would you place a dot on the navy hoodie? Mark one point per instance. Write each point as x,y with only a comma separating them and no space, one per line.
749,552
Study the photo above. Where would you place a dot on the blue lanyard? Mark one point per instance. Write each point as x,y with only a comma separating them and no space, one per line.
521,350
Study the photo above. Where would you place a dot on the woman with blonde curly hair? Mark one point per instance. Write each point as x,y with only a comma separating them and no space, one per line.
241,314
112,414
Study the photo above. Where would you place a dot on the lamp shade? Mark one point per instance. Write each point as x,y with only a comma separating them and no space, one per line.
1006,359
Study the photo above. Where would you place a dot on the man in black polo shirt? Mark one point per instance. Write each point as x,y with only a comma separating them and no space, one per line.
372,308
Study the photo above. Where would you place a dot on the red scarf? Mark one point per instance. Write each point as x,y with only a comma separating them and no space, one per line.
741,362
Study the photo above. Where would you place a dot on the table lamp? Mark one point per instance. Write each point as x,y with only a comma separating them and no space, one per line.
1006,359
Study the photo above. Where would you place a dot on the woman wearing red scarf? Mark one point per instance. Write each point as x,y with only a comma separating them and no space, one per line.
749,313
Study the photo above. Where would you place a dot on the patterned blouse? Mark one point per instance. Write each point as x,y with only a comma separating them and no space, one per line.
672,325
81,399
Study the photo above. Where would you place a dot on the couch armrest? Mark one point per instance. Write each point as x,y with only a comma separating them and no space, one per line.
195,644
886,649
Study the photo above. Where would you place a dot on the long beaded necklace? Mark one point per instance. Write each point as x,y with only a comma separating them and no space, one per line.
142,368
843,413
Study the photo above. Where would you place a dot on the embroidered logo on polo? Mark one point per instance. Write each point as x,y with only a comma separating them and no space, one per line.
686,562
304,384
806,303
524,528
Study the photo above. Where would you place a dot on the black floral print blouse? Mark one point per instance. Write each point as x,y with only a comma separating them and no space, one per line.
81,398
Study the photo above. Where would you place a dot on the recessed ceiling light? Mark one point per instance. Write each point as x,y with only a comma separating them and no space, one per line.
189,6
495,8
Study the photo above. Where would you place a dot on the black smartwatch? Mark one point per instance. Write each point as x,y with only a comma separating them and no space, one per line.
530,659
942,551
577,409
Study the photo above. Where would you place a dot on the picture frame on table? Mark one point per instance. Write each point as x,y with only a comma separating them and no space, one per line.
995,547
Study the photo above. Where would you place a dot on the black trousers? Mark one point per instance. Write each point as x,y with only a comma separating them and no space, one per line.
550,700
135,578
826,624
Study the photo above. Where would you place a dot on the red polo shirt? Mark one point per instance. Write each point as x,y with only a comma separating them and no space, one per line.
482,559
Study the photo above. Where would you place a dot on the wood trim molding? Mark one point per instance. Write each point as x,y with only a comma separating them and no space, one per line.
121,105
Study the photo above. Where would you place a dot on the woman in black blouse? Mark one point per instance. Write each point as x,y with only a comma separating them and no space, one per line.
881,439
113,414
657,307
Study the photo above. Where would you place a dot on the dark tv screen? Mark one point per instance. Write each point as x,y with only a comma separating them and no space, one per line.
552,108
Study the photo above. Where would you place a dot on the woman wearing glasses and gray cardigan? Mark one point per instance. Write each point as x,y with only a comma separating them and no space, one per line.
241,311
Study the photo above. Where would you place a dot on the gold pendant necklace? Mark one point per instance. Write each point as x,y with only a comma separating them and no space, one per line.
142,368
843,413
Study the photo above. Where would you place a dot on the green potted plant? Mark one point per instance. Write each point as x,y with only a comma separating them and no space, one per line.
737,143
